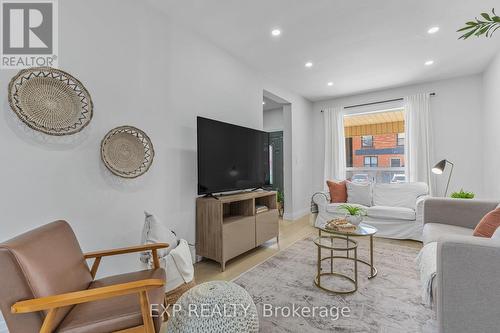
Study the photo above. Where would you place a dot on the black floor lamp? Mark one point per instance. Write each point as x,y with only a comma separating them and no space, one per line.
438,169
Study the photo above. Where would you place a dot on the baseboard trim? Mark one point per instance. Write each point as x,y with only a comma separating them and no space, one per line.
296,215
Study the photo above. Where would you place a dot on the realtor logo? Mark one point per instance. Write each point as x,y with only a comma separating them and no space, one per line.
29,33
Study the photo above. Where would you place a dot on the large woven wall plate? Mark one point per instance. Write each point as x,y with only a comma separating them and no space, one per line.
127,152
50,100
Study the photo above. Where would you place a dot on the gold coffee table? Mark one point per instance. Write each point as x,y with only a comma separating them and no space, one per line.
362,230
328,242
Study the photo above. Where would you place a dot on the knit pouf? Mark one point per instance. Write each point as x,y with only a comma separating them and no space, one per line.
217,306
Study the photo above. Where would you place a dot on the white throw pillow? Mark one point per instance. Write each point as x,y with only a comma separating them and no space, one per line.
360,194
155,232
398,195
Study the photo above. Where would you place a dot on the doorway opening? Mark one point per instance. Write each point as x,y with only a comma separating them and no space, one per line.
276,116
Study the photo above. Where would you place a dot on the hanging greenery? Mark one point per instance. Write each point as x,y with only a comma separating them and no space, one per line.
486,26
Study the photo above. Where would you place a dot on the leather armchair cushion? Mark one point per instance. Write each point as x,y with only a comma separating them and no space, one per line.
51,261
117,313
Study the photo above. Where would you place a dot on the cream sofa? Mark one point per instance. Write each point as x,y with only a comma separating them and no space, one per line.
465,290
394,209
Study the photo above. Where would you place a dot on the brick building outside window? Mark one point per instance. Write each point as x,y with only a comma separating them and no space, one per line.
375,146
385,148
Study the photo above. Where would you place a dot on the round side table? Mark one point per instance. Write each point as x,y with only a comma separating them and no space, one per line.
327,242
362,230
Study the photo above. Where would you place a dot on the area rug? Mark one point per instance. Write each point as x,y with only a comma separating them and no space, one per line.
390,302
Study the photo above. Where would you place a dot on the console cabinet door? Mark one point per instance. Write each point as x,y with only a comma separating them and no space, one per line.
267,226
238,237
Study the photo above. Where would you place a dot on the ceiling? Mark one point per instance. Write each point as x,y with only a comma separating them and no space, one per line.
359,45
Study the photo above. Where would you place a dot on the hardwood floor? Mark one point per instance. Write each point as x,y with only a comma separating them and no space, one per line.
290,232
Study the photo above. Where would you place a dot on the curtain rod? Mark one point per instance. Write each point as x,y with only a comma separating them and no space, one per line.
380,102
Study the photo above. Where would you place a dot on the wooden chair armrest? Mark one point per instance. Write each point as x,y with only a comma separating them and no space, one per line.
131,249
83,296
124,250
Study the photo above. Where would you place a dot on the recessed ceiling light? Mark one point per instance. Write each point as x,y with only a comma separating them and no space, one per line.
433,30
429,62
330,84
263,103
276,32
308,64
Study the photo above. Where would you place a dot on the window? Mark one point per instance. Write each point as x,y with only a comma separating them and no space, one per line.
375,146
395,162
371,161
401,139
367,141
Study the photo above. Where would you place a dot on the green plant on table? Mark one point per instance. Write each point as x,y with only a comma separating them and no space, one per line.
487,26
352,210
462,195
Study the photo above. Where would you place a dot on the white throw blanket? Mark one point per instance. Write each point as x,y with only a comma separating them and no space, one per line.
178,265
427,264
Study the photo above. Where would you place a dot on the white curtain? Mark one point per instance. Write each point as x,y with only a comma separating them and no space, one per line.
418,152
335,168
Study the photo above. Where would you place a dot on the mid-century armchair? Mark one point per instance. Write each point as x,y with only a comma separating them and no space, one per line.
47,286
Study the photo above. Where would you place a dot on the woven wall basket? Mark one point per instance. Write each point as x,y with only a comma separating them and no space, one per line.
127,152
50,100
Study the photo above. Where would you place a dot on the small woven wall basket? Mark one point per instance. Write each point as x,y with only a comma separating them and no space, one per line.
127,152
50,101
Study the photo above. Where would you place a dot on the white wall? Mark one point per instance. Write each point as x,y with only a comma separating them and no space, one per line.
141,70
273,120
456,121
491,113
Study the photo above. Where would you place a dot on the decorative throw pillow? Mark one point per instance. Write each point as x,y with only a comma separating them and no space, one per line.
155,232
360,194
338,191
488,224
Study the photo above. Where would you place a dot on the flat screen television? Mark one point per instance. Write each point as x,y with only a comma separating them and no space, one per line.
231,157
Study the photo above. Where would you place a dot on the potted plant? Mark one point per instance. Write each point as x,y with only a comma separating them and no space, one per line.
354,214
281,203
462,195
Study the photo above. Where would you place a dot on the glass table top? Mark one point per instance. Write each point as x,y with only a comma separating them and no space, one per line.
362,229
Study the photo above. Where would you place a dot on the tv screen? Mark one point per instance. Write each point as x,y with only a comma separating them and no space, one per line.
231,157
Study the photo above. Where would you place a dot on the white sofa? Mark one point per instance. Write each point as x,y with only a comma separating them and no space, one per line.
396,210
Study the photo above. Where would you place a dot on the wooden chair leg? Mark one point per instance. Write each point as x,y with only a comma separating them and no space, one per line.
49,321
156,260
146,313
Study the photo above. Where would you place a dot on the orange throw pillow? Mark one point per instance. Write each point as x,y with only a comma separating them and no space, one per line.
488,224
338,191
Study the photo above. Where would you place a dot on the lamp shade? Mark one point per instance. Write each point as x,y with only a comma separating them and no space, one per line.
439,167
